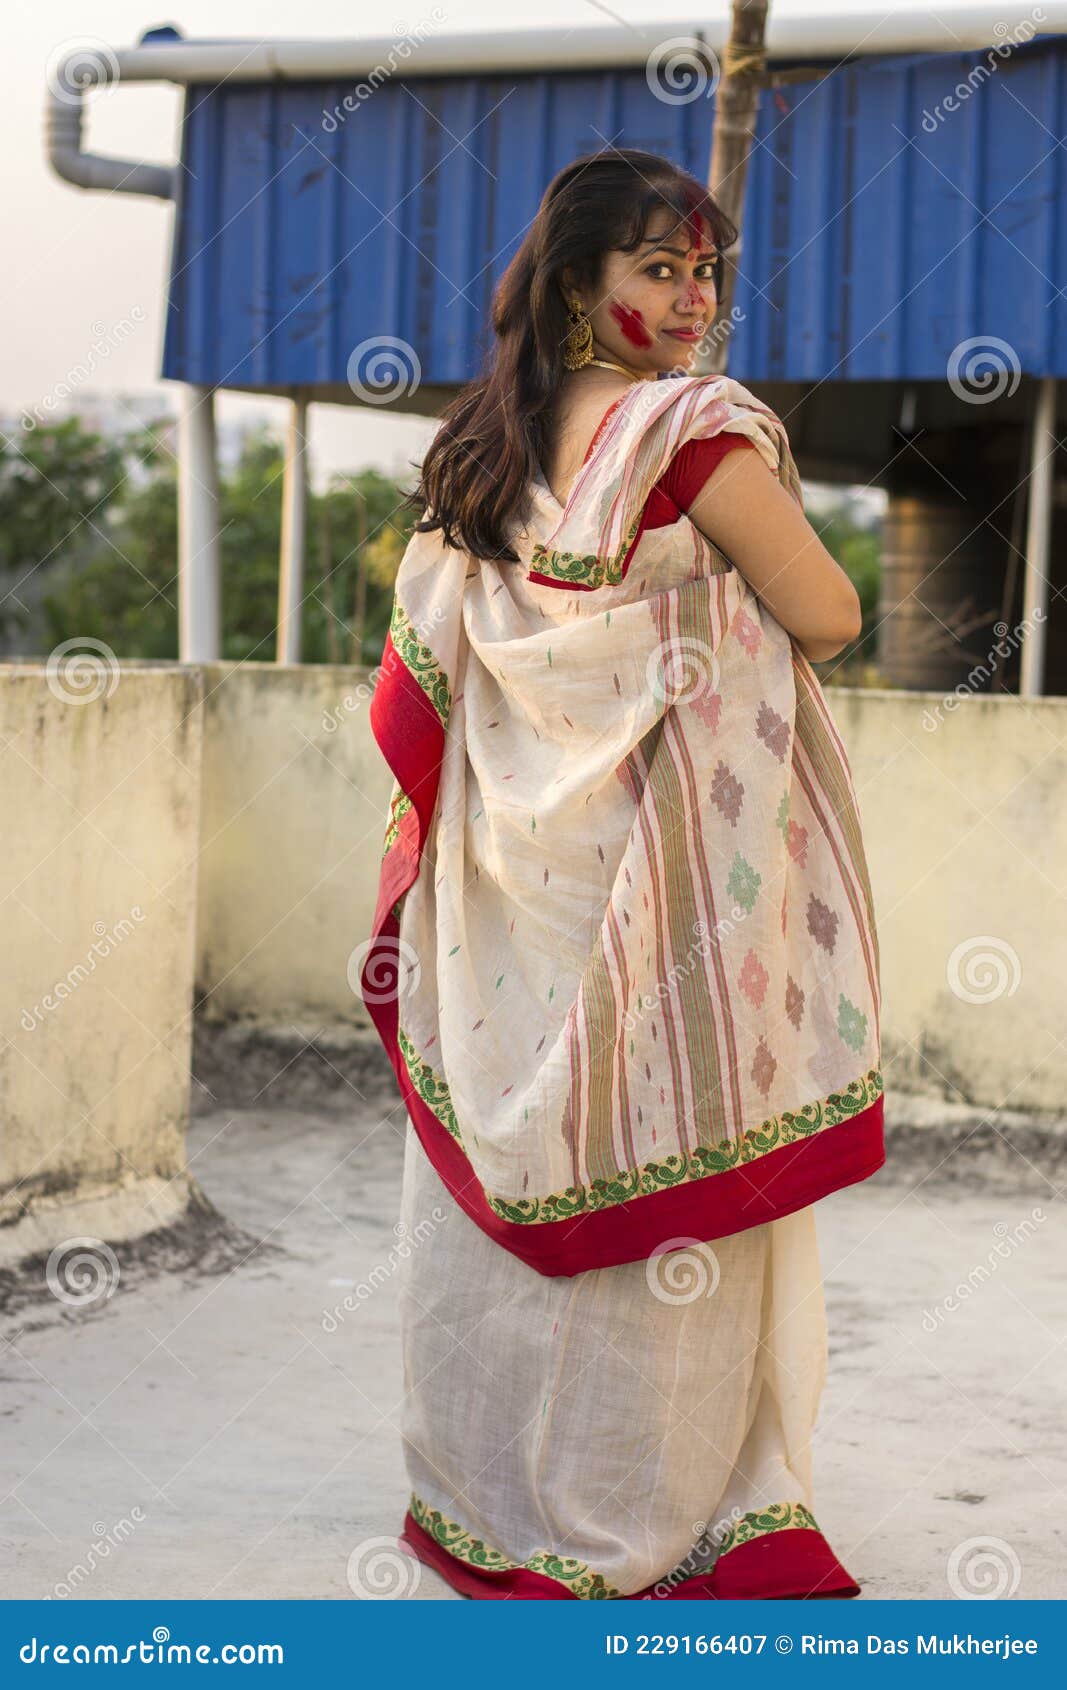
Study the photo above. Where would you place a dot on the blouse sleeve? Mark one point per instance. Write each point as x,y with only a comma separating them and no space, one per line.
693,463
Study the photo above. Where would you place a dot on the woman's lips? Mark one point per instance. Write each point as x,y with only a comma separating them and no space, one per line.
685,334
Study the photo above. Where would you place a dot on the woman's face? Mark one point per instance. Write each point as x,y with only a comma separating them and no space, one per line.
653,306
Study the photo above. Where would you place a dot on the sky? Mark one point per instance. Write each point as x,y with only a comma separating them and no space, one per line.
80,262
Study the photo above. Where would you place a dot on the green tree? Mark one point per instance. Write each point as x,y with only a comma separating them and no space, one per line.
56,485
250,519
125,590
360,527
858,550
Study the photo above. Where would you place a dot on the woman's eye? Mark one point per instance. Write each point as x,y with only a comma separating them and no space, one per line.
662,271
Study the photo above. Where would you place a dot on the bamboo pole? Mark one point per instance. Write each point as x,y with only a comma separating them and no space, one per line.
737,98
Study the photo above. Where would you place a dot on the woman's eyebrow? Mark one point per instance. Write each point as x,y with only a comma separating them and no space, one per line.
681,252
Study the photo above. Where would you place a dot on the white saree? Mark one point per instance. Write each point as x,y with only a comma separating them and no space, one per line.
617,1432
625,966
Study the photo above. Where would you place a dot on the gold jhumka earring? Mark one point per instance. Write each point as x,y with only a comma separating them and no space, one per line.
578,342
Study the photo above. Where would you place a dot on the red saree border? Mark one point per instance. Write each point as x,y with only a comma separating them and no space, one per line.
782,1181
410,733
411,737
502,1583
796,1563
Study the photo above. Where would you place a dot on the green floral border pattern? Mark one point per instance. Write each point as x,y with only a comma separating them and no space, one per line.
399,805
759,1521
746,1147
416,656
589,570
578,1576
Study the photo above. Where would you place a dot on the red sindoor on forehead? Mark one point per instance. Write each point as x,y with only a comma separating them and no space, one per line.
694,220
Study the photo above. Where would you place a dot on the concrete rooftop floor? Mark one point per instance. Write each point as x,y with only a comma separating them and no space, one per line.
253,1451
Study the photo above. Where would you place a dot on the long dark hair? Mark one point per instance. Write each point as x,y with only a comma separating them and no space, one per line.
474,484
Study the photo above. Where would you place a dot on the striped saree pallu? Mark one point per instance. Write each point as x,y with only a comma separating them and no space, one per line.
625,966
624,957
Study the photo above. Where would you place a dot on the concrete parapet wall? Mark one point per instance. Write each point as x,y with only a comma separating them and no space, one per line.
209,836
101,784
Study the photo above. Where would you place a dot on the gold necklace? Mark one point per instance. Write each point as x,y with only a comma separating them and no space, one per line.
603,364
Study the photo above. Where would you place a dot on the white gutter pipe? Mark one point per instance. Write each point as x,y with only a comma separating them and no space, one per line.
199,576
63,141
294,535
851,30
1038,536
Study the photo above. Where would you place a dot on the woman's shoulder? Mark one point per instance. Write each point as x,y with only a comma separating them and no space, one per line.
694,462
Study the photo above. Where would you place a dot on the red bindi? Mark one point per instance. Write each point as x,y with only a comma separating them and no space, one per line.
632,324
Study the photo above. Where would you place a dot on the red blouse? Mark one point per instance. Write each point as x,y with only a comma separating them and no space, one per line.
682,480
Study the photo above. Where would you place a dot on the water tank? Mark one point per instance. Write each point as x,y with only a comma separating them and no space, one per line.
943,573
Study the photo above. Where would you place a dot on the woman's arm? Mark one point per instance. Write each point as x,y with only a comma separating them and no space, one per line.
744,510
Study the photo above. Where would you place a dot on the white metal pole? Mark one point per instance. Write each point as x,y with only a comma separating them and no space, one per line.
1038,530
294,535
199,600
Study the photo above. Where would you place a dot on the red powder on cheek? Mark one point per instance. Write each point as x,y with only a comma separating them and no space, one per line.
632,325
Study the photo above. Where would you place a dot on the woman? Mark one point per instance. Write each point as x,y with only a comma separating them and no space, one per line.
624,958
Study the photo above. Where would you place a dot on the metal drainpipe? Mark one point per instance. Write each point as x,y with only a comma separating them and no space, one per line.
1038,528
199,592
294,532
64,117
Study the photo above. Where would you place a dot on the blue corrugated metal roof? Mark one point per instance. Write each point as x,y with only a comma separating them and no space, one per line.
872,246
